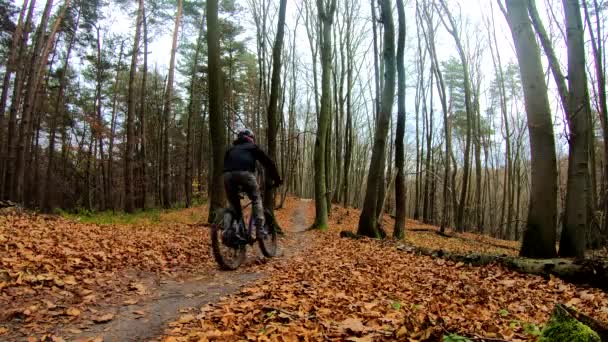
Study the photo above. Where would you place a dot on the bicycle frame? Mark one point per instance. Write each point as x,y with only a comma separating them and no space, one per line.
249,223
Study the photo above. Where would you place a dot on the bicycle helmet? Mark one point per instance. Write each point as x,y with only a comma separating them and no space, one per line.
246,134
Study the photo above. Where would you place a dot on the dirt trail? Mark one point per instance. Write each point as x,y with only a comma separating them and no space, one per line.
147,319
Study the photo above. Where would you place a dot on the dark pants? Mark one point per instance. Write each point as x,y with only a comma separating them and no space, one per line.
236,182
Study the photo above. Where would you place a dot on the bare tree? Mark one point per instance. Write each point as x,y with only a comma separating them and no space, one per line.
539,235
400,196
368,224
326,15
269,193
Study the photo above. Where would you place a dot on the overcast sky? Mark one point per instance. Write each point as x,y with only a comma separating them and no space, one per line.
473,10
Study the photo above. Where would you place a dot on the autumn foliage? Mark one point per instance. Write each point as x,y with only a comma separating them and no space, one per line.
59,276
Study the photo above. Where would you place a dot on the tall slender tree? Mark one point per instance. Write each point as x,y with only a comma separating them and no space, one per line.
368,224
168,108
271,136
539,234
400,195
216,112
326,16
572,241
129,204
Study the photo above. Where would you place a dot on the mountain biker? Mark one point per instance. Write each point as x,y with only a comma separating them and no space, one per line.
239,174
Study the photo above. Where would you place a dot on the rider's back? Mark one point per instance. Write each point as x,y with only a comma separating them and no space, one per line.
241,157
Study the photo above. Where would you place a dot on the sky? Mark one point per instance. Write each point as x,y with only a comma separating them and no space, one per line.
474,10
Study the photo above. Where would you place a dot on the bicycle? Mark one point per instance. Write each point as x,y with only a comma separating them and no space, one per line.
230,253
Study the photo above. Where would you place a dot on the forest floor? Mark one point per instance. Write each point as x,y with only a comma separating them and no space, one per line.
154,278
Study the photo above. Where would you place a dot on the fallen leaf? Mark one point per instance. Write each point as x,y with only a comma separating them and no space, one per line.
401,332
352,324
72,312
130,301
104,318
368,338
139,287
70,280
187,318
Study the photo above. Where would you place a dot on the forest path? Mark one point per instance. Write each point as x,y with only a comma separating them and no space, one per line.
145,320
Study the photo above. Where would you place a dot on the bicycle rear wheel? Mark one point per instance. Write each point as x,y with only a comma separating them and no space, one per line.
227,257
268,243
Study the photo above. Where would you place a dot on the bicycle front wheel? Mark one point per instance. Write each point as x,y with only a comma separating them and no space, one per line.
227,256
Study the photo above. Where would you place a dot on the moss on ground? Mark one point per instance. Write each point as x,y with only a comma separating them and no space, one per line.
563,327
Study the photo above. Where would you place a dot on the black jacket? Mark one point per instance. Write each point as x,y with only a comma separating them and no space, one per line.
242,155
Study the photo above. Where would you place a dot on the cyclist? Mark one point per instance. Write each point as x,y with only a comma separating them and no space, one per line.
239,175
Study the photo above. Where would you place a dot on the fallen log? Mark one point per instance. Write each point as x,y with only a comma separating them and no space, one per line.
593,272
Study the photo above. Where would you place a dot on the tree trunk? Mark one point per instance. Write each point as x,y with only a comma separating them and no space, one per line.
348,132
142,114
436,71
11,66
193,111
367,220
326,15
572,242
598,51
539,236
129,204
39,63
167,110
271,136
216,113
49,198
110,191
97,131
399,231
460,219
10,152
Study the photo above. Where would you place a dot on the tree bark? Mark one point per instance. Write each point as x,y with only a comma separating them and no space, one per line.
271,136
572,242
539,236
11,66
168,108
598,51
39,61
111,193
368,226
193,111
130,147
10,152
98,127
142,115
399,231
216,112
326,15
48,202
